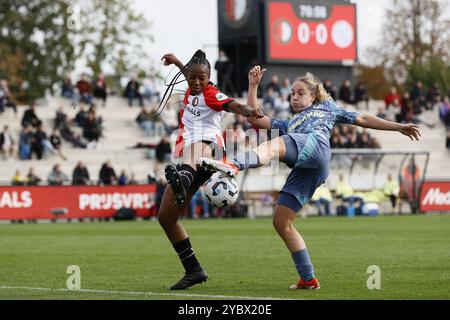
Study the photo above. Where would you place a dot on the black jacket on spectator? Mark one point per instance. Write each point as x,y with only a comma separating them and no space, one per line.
107,175
80,176
30,118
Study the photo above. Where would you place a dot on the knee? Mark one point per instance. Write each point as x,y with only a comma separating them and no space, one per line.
282,225
165,220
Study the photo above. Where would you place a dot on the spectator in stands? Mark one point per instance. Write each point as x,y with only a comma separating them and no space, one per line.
322,197
282,108
274,84
418,97
6,144
132,91
56,176
330,89
149,89
30,118
25,139
269,101
132,179
107,175
80,174
163,149
444,111
81,117
91,130
146,122
392,103
37,142
84,90
100,88
361,95
345,92
18,179
286,88
68,135
222,67
68,90
198,199
5,97
32,178
392,191
123,178
55,141
407,107
433,96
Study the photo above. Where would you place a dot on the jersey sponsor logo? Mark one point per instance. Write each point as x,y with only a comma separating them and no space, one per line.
220,96
195,101
195,112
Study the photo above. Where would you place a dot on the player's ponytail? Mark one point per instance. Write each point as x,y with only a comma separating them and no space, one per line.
316,87
199,57
199,54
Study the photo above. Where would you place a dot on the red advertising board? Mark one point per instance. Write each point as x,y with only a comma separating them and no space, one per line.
319,33
435,196
47,202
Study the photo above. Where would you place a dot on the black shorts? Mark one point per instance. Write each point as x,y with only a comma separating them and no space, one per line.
202,174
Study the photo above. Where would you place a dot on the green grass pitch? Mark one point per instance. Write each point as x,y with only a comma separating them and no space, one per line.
244,258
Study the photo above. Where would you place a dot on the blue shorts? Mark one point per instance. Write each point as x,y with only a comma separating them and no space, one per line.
309,156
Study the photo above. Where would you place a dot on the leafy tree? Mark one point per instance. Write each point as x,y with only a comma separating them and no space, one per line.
35,39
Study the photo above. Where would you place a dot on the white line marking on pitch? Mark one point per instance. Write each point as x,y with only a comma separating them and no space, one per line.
146,293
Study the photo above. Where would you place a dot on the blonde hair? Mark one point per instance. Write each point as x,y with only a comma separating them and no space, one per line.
315,86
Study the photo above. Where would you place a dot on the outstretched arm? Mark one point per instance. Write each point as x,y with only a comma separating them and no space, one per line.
254,78
170,58
243,109
372,122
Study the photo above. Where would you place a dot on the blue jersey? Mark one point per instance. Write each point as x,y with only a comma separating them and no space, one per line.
319,119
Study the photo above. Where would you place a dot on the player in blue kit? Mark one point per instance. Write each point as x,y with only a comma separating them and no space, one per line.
304,146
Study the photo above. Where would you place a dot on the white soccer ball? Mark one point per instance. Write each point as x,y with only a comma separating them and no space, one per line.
221,190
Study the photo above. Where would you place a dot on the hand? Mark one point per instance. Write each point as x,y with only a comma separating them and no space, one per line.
255,75
169,58
411,131
259,113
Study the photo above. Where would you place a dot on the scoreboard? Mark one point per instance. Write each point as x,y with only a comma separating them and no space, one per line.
312,32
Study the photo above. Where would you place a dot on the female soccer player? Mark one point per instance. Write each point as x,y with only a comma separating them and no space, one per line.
304,146
200,136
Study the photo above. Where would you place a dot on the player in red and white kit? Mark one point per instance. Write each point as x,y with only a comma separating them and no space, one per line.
200,136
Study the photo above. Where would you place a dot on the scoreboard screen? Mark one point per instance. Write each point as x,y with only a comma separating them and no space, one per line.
311,32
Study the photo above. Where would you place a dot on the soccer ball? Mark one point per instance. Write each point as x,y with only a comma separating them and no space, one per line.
221,190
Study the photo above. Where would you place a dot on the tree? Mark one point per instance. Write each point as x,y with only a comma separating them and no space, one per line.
111,33
35,38
374,79
414,32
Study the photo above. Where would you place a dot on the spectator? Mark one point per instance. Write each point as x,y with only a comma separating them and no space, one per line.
407,107
56,177
32,178
149,89
221,66
37,142
198,199
100,88
392,191
361,95
163,149
392,102
433,96
345,92
18,179
132,179
418,97
282,108
60,117
444,111
91,130
68,90
123,179
25,139
343,189
84,90
146,122
107,175
269,101
132,91
322,196
332,90
55,144
274,84
6,144
68,135
30,117
80,174
286,88
5,97
81,117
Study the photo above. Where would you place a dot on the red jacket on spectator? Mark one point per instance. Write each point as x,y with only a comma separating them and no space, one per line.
391,97
84,87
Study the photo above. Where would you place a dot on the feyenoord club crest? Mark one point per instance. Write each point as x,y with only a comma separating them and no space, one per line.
283,31
235,12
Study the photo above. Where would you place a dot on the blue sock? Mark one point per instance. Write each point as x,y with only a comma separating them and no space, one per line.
303,264
249,159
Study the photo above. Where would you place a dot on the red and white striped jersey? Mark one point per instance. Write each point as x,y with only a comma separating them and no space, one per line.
201,117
